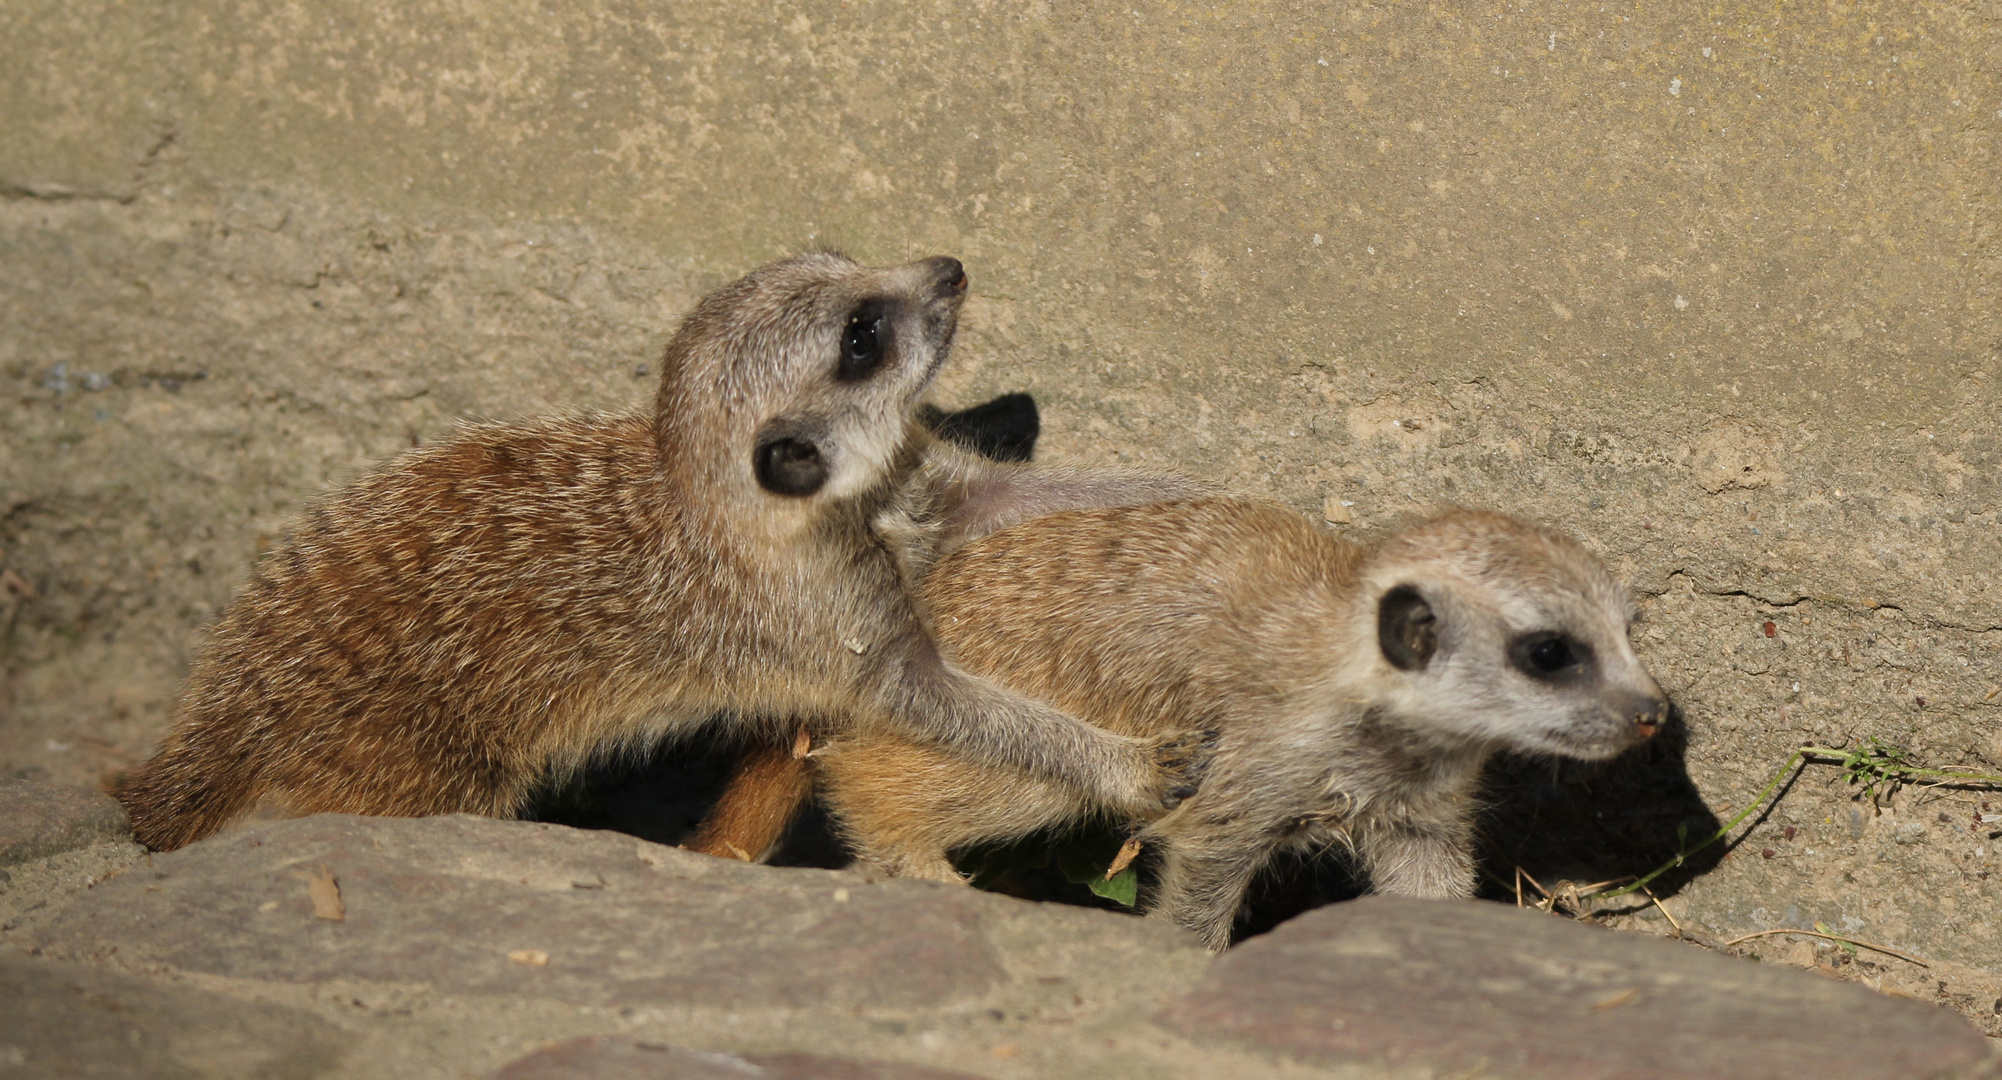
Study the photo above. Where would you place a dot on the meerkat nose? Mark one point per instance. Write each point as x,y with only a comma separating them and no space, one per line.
1649,715
950,274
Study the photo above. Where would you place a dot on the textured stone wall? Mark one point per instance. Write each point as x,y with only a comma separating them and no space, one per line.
1715,288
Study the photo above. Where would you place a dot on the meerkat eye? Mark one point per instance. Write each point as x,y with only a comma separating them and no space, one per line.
1549,656
863,344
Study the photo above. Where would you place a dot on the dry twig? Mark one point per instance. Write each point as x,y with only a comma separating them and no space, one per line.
1907,957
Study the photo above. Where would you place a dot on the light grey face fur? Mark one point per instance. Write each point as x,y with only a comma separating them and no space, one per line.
840,352
1510,640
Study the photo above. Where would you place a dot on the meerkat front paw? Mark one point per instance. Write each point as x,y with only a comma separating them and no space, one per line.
1178,764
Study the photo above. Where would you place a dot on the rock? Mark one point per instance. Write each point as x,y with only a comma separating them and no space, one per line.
620,1057
1497,991
471,905
37,820
60,1020
458,946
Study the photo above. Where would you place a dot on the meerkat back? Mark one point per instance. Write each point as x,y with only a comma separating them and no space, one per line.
1177,618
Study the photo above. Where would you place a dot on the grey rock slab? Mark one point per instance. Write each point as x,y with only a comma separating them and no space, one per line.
37,820
468,905
1497,991
623,1057
81,1023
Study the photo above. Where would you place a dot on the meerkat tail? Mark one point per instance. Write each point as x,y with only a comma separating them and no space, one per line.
181,796
766,792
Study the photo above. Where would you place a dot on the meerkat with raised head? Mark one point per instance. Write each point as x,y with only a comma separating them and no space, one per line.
452,630
1355,692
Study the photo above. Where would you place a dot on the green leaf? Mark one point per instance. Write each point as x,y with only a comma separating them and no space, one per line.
1124,888
1084,861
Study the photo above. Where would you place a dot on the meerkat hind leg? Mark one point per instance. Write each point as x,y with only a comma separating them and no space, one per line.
1201,885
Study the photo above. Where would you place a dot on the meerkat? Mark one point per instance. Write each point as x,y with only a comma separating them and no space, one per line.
1355,692
477,616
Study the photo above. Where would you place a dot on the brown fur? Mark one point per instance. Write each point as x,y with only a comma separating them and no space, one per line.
448,632
1243,619
765,793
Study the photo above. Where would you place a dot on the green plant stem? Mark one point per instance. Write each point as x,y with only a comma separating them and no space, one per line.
1881,769
1888,770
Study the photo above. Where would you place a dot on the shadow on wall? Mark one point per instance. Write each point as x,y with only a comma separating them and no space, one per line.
1558,821
1589,822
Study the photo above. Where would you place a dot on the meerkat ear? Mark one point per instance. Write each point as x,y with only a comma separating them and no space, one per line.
787,460
1406,629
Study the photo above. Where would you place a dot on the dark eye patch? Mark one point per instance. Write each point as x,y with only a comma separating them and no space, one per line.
865,342
1550,656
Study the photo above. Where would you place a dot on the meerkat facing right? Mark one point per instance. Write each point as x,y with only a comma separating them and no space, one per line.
1355,692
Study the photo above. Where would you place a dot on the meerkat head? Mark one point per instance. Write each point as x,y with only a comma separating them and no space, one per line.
796,384
1495,631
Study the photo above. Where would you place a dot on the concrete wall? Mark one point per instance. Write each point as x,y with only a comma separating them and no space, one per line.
1713,287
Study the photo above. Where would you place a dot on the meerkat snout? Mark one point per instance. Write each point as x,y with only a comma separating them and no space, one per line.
1649,714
